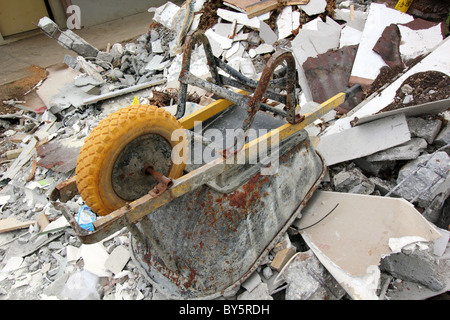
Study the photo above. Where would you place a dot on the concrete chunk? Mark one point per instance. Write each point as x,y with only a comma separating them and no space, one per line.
422,128
419,179
72,41
416,265
48,26
308,280
443,137
353,181
406,151
261,292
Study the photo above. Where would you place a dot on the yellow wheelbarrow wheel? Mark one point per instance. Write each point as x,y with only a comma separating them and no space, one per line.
111,167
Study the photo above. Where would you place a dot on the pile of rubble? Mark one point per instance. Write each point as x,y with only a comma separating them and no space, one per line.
387,149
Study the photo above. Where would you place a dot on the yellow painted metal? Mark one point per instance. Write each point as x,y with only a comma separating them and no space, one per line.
207,112
403,5
288,129
136,210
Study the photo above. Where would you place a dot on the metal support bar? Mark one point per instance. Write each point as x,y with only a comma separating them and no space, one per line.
262,88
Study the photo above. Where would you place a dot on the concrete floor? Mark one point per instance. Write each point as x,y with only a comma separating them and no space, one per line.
18,57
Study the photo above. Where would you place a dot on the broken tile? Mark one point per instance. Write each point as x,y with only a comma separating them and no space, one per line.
165,13
324,85
223,41
436,60
247,68
236,50
241,18
417,41
95,257
156,46
388,46
60,155
154,63
117,259
349,36
284,22
267,33
72,253
383,134
314,7
355,217
367,63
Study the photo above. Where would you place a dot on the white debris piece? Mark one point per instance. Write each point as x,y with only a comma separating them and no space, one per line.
266,33
240,18
284,23
95,257
314,7
247,68
117,259
349,36
436,60
165,13
368,63
263,48
418,42
382,134
224,42
374,219
199,66
156,46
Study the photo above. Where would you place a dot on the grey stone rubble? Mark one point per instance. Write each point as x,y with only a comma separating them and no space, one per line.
55,265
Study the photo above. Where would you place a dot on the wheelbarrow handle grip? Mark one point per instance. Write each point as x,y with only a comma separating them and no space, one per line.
352,90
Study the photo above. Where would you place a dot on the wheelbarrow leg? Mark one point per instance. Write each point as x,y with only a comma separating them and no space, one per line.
255,102
191,41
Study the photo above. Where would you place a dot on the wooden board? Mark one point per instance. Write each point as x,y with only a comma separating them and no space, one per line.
260,7
11,224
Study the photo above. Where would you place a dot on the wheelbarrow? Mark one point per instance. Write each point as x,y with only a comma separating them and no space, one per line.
202,225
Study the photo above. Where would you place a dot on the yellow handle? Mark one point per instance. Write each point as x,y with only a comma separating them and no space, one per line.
403,5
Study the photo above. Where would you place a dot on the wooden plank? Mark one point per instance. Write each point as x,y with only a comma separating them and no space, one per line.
297,2
11,224
261,7
242,4
281,258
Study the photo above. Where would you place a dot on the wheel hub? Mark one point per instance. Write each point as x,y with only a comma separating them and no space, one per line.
130,179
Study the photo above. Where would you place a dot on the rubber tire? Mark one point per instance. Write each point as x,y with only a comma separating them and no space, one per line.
103,146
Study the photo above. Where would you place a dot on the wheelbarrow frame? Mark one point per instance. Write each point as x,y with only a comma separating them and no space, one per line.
132,213
137,212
